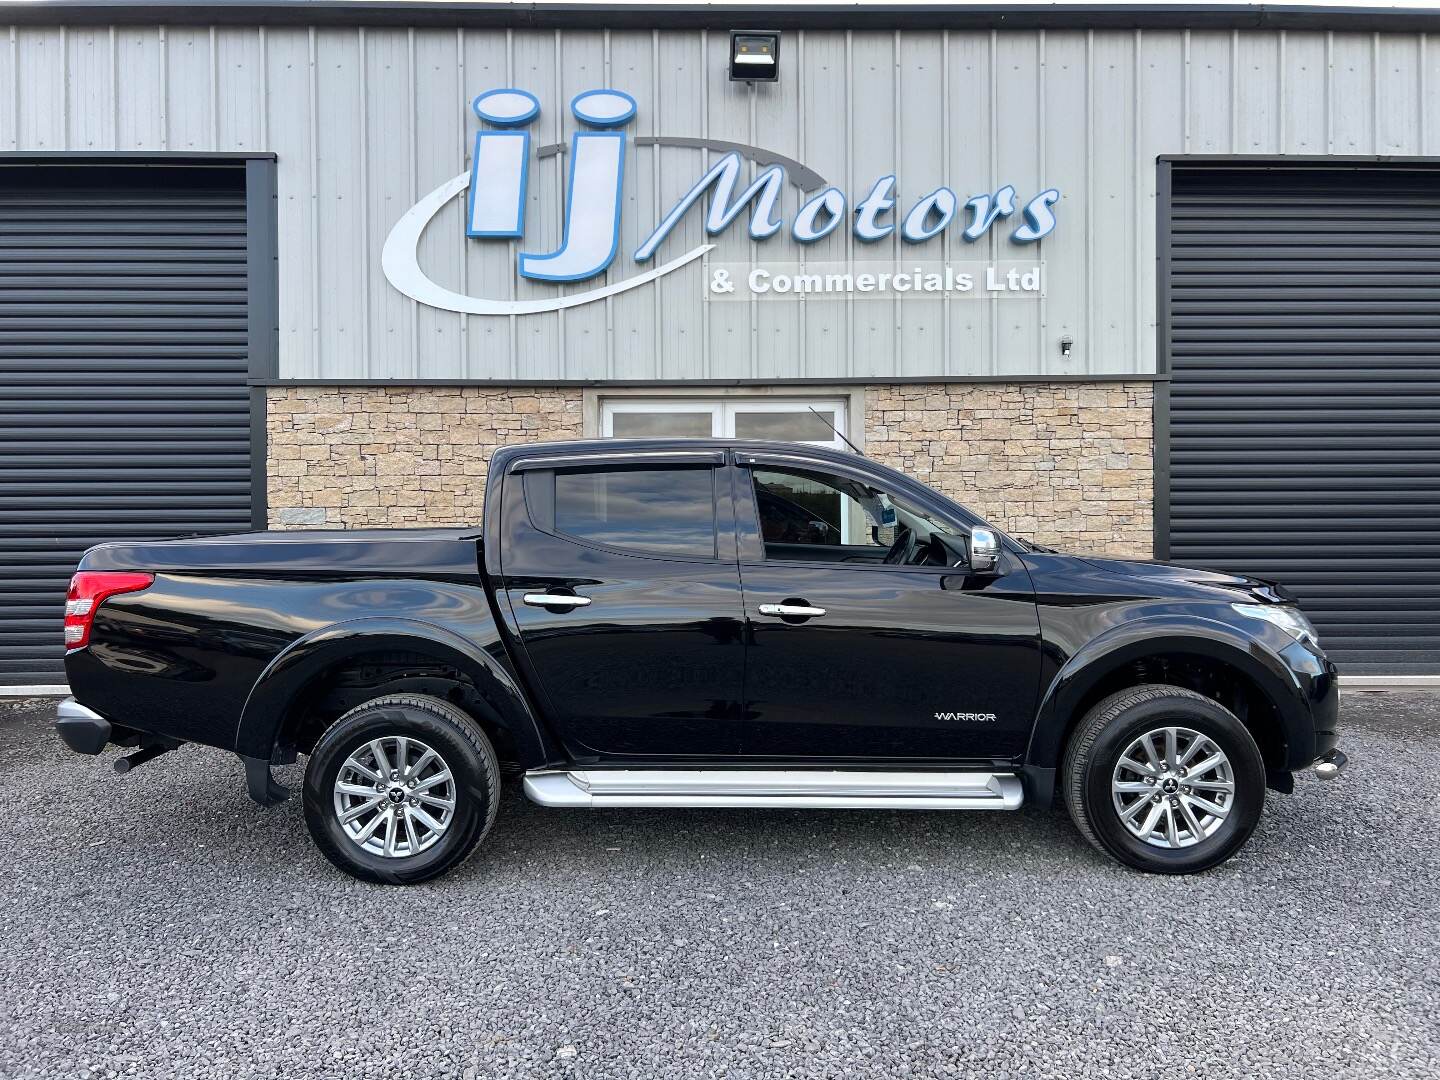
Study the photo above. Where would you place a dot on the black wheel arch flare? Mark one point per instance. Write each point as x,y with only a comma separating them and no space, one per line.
1102,665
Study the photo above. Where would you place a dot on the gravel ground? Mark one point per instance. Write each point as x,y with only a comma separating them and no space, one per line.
161,925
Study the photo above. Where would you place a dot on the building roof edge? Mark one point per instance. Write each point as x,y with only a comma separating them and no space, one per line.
647,14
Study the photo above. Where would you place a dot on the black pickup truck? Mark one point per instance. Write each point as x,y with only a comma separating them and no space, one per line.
702,623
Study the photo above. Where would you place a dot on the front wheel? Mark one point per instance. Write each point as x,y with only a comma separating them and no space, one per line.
401,789
1164,779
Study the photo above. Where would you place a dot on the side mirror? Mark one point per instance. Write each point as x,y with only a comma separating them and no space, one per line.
984,551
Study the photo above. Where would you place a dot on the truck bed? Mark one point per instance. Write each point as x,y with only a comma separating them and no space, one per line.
429,552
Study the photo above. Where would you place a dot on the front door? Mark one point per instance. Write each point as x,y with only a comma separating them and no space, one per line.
626,598
853,656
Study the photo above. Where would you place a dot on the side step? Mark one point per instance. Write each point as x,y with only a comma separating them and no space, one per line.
792,788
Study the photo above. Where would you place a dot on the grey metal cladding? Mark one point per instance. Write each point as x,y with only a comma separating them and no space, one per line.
123,345
1304,415
365,119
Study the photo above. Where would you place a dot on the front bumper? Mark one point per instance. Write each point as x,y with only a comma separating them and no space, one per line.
82,729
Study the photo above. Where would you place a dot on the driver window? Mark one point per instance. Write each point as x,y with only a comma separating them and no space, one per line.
814,516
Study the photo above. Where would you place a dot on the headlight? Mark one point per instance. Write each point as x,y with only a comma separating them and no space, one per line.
1286,618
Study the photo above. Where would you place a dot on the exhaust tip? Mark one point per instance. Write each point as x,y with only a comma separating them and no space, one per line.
1331,765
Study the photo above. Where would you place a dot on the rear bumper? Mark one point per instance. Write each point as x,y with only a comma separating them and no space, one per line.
82,729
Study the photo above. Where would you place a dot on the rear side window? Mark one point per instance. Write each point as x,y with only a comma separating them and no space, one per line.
668,511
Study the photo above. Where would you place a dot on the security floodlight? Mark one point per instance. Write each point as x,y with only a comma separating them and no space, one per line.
754,55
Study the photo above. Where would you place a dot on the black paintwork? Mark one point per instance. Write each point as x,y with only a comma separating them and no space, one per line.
672,662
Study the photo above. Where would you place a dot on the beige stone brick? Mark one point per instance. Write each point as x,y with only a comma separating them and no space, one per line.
399,456
1066,464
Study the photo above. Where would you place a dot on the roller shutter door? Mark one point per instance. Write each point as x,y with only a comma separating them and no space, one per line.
125,411
1303,324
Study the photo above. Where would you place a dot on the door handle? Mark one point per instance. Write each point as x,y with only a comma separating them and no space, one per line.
543,599
800,610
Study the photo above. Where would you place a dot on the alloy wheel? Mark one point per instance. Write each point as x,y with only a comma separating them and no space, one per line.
395,796
1173,787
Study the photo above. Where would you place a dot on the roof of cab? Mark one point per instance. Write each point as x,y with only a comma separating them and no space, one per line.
613,447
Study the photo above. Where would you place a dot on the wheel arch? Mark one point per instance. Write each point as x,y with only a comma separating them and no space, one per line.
1239,672
274,703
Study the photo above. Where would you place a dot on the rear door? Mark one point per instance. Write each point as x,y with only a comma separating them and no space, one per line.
621,580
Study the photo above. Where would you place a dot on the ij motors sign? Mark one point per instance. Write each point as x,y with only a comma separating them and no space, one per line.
497,183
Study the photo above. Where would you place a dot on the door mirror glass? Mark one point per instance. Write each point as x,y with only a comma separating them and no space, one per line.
984,551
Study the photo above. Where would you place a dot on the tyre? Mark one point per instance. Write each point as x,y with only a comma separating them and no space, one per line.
401,789
1163,779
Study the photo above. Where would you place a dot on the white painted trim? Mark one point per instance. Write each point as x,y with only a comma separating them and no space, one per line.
1390,682
36,690
722,410
852,398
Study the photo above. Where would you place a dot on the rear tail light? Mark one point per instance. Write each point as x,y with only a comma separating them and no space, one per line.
88,590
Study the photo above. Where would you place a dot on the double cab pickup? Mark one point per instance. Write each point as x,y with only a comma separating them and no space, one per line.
702,623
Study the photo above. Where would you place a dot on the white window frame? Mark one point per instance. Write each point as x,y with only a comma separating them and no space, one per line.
722,411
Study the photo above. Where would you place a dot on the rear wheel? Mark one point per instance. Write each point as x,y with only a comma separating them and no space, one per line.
1164,779
401,789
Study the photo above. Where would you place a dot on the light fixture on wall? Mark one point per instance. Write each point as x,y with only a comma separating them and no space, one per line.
1067,345
754,55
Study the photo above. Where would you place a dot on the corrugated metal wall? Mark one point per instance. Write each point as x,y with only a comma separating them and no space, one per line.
1305,402
366,120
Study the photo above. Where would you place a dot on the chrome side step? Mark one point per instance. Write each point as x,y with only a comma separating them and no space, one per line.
793,788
